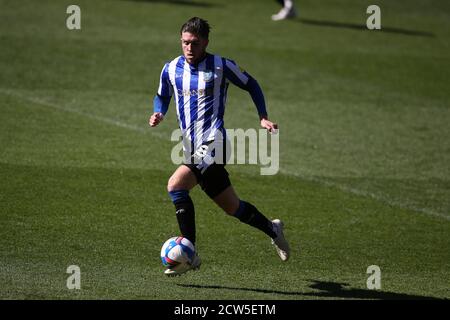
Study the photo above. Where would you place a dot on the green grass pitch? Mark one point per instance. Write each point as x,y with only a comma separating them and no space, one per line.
364,175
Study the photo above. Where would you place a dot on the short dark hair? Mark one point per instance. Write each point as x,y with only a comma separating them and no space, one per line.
196,26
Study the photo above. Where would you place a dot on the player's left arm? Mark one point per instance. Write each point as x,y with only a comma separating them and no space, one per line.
245,81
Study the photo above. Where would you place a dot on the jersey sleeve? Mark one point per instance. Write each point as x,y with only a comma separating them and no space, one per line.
246,82
165,88
235,75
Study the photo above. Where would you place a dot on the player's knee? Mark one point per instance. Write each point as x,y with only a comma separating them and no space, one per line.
170,186
182,179
174,184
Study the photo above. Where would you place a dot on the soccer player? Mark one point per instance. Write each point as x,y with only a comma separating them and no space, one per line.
199,82
287,11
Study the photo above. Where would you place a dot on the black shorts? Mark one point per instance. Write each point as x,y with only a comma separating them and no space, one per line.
211,176
213,180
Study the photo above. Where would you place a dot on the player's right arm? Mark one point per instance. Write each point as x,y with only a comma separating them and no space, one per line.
162,99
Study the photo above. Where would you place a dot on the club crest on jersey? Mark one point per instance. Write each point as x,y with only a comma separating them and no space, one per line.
208,75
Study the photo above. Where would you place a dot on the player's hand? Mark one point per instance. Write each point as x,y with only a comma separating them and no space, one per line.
269,125
155,119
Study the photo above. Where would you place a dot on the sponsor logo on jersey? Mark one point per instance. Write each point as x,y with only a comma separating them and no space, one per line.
199,92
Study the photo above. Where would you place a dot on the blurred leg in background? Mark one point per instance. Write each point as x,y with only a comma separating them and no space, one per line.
287,11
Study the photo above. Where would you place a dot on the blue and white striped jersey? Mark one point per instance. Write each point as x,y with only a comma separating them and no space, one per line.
200,94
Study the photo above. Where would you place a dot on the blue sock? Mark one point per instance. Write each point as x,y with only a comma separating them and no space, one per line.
240,211
178,195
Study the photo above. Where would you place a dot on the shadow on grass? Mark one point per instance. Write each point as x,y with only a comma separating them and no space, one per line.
182,3
355,26
327,290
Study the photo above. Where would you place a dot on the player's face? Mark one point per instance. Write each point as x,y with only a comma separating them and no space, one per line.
194,47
